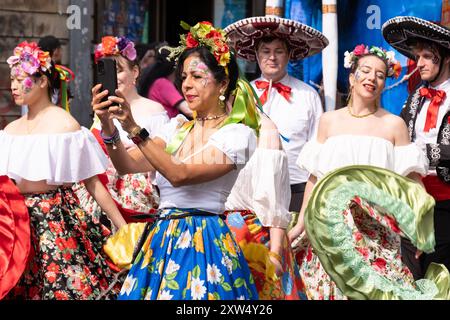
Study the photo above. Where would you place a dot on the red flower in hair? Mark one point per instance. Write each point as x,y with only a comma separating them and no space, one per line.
190,41
214,34
109,45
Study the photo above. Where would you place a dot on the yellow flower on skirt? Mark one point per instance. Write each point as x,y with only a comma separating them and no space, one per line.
147,258
198,240
229,245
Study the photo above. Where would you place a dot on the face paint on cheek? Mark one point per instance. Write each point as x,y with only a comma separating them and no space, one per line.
27,85
357,75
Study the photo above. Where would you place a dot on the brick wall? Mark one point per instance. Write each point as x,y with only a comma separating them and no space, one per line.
27,20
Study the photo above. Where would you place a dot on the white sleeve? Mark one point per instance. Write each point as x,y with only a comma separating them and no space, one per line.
167,130
272,193
309,157
55,158
317,111
155,122
236,141
410,158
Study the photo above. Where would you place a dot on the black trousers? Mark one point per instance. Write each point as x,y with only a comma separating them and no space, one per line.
441,252
297,192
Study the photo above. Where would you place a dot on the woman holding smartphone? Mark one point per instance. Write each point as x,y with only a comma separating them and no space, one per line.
190,253
134,194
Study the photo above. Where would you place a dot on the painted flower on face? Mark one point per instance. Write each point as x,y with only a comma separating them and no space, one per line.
28,83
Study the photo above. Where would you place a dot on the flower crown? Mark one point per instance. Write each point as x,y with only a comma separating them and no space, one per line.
394,67
203,34
112,46
31,58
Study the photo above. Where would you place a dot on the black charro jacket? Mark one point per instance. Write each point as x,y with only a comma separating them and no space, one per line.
438,153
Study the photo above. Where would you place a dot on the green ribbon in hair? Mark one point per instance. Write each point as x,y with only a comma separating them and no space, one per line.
244,107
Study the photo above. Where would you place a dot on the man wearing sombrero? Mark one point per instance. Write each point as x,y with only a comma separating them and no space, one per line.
292,105
427,115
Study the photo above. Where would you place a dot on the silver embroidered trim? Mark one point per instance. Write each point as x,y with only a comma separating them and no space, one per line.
446,134
435,154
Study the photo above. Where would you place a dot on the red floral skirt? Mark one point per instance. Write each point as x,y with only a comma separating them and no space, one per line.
66,260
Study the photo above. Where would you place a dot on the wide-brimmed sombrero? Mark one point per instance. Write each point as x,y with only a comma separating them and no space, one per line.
303,41
354,220
398,30
14,235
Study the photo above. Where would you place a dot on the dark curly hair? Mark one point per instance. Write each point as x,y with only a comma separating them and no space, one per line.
217,70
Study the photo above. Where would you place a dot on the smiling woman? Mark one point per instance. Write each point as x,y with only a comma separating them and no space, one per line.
189,253
361,134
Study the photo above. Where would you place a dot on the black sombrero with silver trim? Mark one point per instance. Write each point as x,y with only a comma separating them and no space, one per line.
303,40
398,30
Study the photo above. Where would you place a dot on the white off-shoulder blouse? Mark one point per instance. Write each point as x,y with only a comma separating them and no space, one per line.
56,158
263,187
345,150
236,141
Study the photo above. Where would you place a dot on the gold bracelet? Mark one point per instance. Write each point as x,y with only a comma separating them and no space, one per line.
276,256
134,132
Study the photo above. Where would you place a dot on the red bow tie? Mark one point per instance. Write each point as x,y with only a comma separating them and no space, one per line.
285,91
436,97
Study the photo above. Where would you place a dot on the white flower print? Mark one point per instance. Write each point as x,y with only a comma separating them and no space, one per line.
198,290
184,241
213,274
128,285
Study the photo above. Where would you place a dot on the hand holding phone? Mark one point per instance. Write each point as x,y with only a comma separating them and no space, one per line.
106,72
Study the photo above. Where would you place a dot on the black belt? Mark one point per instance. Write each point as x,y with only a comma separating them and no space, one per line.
298,187
145,216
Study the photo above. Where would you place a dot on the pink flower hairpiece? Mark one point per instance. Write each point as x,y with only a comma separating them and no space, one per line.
112,46
394,67
30,58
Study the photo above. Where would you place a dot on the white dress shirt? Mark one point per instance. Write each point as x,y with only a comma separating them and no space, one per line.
422,137
296,120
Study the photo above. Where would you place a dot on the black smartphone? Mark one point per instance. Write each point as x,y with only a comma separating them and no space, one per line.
106,72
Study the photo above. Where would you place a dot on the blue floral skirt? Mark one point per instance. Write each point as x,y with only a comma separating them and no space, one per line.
189,255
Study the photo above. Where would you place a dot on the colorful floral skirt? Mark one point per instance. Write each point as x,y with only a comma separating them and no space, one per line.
66,259
377,241
134,194
355,218
188,255
254,240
